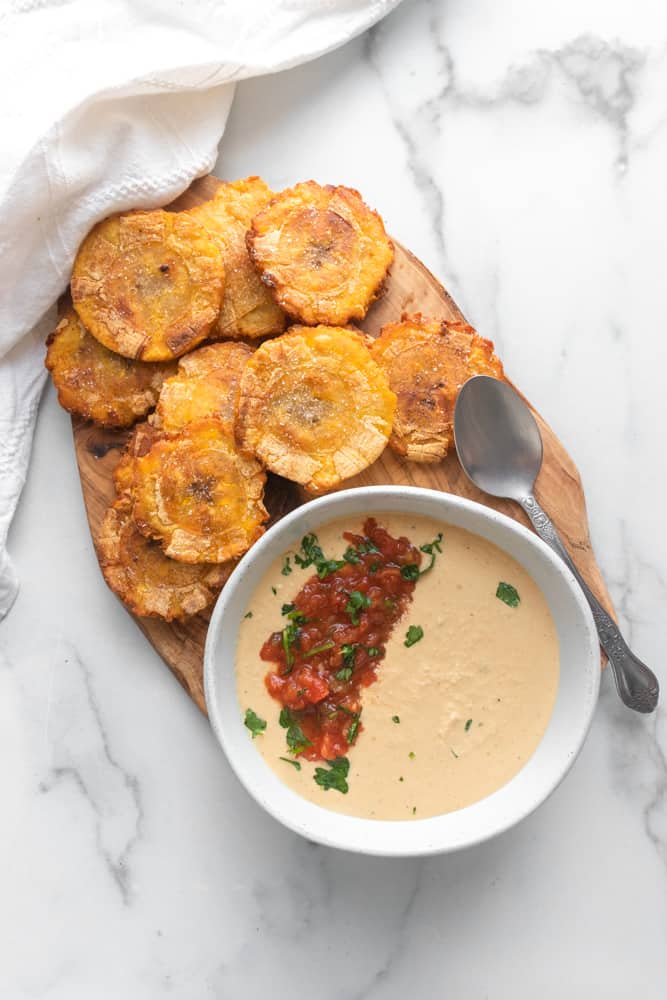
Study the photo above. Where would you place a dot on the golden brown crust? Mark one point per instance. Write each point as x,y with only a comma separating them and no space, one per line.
146,580
426,362
322,251
248,308
139,443
98,384
314,407
199,495
148,285
206,385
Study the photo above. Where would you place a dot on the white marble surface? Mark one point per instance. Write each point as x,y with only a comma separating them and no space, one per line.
520,149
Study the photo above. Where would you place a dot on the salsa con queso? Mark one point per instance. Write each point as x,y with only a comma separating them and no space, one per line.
396,667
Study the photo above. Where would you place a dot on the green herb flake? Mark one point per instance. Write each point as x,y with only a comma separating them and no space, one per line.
414,810
311,550
412,755
431,548
396,719
287,568
351,556
295,763
248,614
410,571
453,752
349,651
413,635
253,722
296,739
374,651
356,601
353,728
374,567
285,718
508,594
274,591
289,636
287,609
335,777
322,648
468,725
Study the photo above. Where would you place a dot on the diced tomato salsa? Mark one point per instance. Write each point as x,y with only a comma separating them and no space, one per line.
335,637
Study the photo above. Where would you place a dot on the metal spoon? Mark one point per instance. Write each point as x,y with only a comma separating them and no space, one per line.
500,448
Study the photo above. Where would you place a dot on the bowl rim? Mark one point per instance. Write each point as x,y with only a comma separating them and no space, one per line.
451,502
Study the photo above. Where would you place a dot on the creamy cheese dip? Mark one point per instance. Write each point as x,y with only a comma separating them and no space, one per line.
473,695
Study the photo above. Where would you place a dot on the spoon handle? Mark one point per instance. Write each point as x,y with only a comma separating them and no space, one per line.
637,685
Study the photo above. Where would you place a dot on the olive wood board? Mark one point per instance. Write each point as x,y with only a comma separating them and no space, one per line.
410,288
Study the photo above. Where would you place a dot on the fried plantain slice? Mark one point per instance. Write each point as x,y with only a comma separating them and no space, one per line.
248,308
139,443
199,495
314,407
324,253
206,385
98,384
146,580
148,285
426,362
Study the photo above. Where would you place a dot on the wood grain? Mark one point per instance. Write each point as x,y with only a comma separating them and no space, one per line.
410,288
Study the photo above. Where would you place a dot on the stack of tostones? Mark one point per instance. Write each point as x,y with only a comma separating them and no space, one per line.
148,285
317,404
426,363
248,310
322,251
98,384
314,407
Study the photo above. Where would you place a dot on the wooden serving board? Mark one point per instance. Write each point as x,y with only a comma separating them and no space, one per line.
410,288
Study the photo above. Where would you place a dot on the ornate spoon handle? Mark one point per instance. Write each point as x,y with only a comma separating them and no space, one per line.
637,686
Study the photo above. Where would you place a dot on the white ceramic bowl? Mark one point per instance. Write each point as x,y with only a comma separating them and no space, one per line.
575,702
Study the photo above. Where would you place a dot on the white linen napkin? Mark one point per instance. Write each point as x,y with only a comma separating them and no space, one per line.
108,106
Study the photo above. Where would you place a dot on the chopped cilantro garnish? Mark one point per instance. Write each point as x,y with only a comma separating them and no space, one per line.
328,566
248,614
349,651
509,594
312,552
295,764
322,648
410,571
468,725
368,546
285,718
289,636
313,556
296,739
413,635
335,777
286,609
287,569
353,728
430,548
351,555
374,651
374,567
396,719
412,755
356,601
274,591
253,722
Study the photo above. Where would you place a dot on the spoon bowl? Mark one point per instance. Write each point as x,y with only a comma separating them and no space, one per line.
497,438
